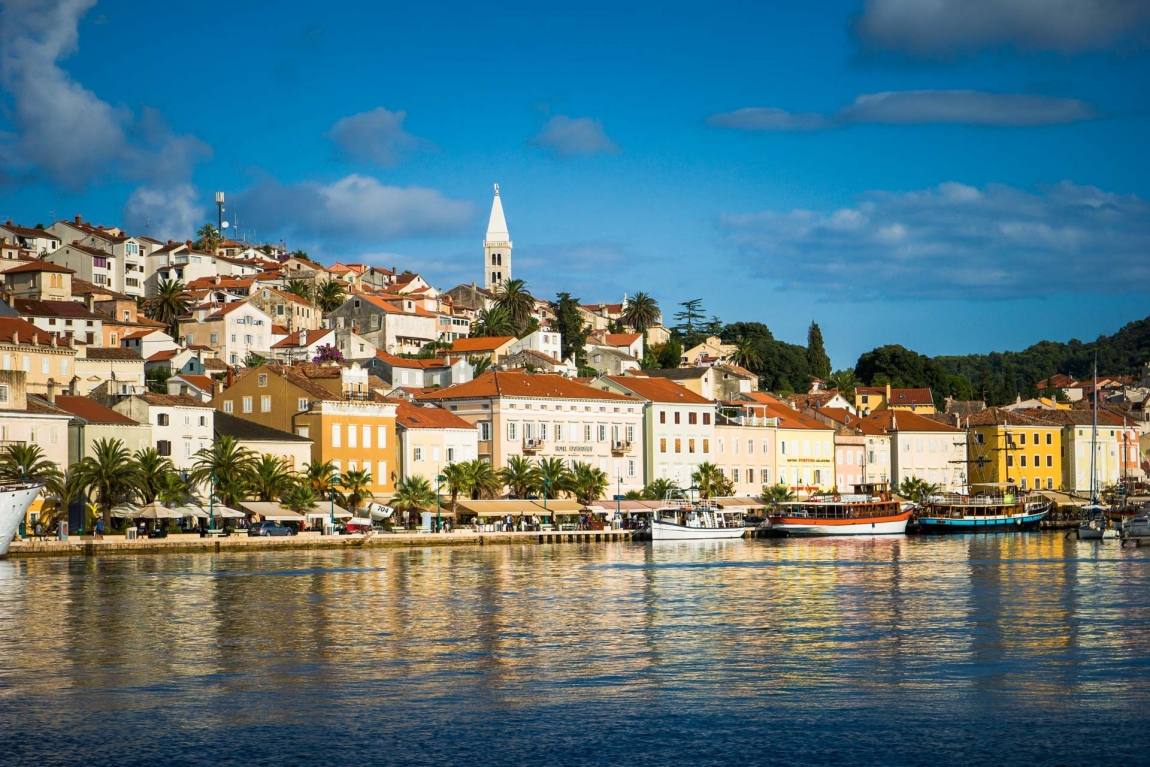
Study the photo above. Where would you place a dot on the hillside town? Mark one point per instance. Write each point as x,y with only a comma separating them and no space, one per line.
216,372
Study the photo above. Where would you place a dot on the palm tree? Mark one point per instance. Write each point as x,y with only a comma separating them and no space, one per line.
479,365
458,481
170,302
171,490
708,478
633,495
776,494
320,477
520,475
269,478
660,488
588,483
916,489
299,498
209,238
746,355
413,494
330,296
357,486
642,312
153,469
482,482
300,288
109,474
493,322
554,477
227,465
844,380
513,297
26,463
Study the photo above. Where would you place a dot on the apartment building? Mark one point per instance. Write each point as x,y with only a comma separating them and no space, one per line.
181,425
431,438
232,331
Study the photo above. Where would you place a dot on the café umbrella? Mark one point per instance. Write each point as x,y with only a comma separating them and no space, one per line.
157,510
191,510
224,512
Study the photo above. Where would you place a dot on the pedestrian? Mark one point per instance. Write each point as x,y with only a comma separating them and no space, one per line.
39,530
99,528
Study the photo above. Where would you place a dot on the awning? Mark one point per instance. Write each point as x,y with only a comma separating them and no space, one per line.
518,507
317,513
270,510
738,504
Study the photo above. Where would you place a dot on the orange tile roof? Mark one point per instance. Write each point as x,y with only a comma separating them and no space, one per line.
40,266
25,331
495,383
293,339
405,362
789,418
661,390
902,420
203,383
622,339
415,417
91,411
480,344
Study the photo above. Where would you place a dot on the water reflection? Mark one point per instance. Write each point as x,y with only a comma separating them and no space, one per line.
556,640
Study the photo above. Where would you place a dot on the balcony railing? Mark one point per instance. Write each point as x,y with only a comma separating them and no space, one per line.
620,447
532,445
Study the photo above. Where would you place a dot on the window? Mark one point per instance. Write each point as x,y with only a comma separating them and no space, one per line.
484,431
1049,460
303,431
301,403
382,472
558,432
1023,461
247,404
676,416
417,454
630,467
602,432
366,436
352,435
1049,480
1009,460
63,367
1049,437
263,379
265,404
662,416
1022,440
678,446
692,418
215,339
586,432
706,419
543,431
162,419
690,446
228,406
248,340
979,439
512,432
750,475
735,475
164,447
750,446
233,338
783,451
203,420
336,435
44,362
662,444
735,445
381,437
3,392
706,446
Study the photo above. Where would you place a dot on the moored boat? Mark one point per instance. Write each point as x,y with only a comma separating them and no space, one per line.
14,502
680,520
870,510
999,507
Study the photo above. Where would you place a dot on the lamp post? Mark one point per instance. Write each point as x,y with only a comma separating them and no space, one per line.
438,483
546,483
212,501
334,480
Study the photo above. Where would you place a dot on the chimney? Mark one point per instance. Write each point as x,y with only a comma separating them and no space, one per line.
79,219
219,387
171,242
303,338
231,377
52,390
888,394
15,337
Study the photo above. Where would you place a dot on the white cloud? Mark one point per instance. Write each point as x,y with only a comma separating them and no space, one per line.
376,136
352,208
571,136
918,108
955,241
171,212
945,28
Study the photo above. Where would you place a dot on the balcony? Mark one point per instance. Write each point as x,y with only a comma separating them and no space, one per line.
620,447
532,445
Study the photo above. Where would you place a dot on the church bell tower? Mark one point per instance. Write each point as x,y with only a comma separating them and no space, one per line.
496,247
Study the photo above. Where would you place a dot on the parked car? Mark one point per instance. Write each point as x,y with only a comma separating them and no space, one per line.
269,529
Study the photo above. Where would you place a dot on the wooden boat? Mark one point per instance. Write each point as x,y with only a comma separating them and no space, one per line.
870,510
681,520
997,507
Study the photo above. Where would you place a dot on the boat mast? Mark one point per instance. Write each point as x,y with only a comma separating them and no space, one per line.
1094,440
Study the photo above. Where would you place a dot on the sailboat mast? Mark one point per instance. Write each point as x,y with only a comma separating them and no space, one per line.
1094,440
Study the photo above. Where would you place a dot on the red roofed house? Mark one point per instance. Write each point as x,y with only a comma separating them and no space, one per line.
924,448
39,281
804,447
431,438
398,325
287,309
304,345
871,399
46,358
233,332
549,416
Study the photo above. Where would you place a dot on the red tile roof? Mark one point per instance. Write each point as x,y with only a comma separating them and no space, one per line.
662,390
404,362
293,339
91,411
40,266
481,344
494,383
415,417
902,420
24,330
203,383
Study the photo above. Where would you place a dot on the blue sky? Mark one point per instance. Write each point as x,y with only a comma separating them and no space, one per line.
954,177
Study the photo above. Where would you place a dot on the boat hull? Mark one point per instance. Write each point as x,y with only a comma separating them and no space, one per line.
803,526
990,523
668,531
14,503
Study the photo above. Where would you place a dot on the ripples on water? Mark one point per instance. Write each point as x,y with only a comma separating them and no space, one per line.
1024,649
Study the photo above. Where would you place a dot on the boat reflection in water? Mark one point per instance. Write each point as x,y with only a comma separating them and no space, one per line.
870,510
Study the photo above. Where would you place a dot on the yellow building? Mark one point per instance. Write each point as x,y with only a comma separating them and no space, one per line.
346,427
1008,446
869,399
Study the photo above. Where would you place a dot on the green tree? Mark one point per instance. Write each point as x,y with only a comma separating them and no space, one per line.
783,387
642,312
573,332
356,486
747,354
300,288
479,364
108,475
689,318
520,475
320,477
209,239
709,480
229,463
513,297
588,483
330,296
154,468
818,362
659,489
299,498
269,478
554,477
170,302
458,480
493,323
172,490
663,356
26,463
482,481
253,360
157,380
413,494
844,381
776,494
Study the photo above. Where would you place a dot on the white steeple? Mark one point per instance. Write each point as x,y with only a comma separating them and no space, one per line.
496,247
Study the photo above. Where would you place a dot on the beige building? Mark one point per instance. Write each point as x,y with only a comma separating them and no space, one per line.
108,371
924,448
715,382
92,422
46,360
29,420
39,281
804,447
233,331
287,309
431,438
549,416
745,450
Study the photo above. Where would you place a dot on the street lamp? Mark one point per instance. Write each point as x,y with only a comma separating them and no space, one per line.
438,483
334,480
211,501
546,483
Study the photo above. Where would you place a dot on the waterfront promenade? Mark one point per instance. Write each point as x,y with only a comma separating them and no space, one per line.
118,544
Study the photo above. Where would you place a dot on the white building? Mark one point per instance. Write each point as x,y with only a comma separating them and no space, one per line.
923,448
125,254
546,342
181,425
431,438
233,331
496,247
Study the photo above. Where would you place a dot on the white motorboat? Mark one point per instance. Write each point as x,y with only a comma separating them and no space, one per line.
1138,527
14,502
686,521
